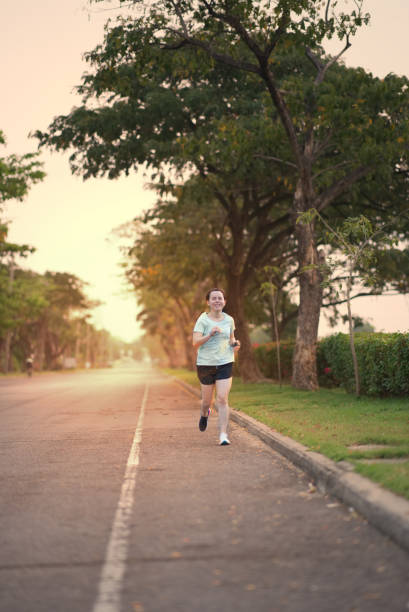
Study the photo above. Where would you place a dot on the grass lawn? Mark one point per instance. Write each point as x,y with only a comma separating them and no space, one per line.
329,421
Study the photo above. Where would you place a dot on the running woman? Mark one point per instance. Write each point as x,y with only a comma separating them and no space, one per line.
213,336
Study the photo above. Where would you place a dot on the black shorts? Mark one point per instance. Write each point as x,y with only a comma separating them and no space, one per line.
209,374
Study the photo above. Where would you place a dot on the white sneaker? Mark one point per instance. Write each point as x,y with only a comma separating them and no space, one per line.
224,440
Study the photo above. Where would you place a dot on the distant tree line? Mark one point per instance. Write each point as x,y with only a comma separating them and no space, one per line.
245,123
44,315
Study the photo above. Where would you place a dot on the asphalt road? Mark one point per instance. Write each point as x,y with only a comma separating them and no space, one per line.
112,500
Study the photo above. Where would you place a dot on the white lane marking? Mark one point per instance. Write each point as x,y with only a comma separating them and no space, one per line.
110,584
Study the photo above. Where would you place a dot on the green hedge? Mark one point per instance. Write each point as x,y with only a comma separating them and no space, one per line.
383,361
266,355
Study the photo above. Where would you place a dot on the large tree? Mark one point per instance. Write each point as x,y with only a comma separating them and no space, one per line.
191,243
314,121
342,129
162,264
198,119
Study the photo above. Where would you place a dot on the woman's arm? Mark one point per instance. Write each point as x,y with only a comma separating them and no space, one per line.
233,342
199,338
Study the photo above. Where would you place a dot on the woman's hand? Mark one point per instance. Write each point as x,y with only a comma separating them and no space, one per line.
235,344
199,338
215,330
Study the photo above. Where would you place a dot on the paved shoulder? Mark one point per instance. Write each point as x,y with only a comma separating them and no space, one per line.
383,509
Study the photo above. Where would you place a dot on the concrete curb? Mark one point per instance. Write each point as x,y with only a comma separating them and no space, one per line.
383,509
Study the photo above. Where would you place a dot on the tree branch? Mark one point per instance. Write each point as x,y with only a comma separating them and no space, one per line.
283,112
319,66
340,186
259,252
277,34
236,24
220,57
321,146
221,199
180,17
314,60
276,159
327,10
357,295
321,74
345,163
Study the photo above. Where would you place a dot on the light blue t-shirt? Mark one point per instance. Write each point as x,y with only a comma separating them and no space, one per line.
217,350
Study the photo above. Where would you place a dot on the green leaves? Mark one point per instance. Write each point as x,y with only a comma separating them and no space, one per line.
17,174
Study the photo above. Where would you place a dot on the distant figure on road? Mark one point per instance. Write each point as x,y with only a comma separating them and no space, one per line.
213,336
29,364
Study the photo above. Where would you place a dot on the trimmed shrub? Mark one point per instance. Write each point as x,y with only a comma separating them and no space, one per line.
325,372
334,357
383,361
266,355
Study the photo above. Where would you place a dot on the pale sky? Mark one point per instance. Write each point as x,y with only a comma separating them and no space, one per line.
69,220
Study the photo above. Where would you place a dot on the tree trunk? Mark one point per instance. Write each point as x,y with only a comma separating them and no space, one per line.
41,341
352,338
170,351
185,329
310,279
273,298
7,351
87,346
249,370
9,333
190,353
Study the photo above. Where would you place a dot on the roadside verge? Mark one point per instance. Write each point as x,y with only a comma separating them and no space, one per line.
383,509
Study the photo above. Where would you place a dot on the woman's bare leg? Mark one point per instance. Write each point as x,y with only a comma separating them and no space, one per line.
207,395
222,402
